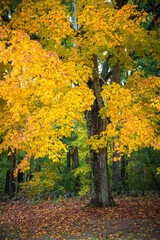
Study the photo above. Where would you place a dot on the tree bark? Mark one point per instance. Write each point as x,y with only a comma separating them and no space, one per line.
69,160
75,158
116,73
115,174
10,181
100,194
75,164
124,175
20,180
38,167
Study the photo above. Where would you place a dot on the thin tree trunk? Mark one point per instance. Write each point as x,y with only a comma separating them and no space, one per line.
115,174
38,167
69,160
116,73
75,158
10,181
124,175
75,164
19,179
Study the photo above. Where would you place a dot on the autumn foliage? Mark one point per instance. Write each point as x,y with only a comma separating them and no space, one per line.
135,106
46,66
38,97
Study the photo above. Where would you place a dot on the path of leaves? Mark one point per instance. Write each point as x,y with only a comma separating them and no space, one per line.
138,218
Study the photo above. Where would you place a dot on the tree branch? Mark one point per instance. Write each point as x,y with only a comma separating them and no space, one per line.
153,23
97,73
109,74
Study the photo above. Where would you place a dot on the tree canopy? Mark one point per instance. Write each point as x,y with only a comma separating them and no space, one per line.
48,67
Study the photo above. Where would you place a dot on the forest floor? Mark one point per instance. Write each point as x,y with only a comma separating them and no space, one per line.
133,218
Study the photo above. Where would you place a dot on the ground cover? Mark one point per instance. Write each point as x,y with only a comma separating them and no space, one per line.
132,218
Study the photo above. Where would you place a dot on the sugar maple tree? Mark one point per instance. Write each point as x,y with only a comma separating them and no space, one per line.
42,56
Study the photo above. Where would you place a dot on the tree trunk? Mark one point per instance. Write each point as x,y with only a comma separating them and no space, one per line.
124,175
116,73
115,174
75,164
75,158
69,160
38,167
20,180
10,181
100,194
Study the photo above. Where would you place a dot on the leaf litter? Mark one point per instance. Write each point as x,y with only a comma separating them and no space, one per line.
137,218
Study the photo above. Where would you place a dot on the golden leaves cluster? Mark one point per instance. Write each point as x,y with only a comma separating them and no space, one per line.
46,19
111,30
134,113
39,103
